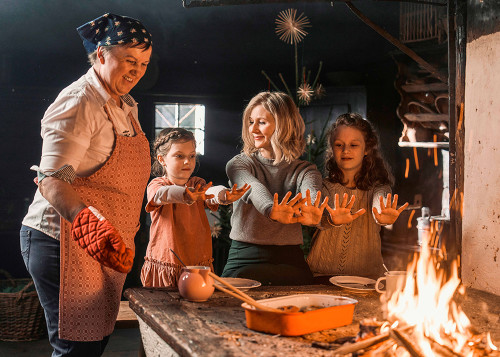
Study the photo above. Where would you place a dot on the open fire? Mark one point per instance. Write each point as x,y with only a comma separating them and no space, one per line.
423,318
425,307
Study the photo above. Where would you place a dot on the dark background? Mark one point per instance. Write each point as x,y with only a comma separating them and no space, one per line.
210,55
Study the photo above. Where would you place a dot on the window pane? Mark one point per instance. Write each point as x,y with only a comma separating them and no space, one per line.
187,115
200,117
199,135
165,116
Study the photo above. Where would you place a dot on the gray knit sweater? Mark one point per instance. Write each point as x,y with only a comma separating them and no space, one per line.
250,220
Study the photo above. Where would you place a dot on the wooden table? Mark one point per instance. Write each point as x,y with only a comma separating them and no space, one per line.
173,326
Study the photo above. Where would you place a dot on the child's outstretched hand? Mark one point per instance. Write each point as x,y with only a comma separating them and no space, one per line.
235,193
285,211
342,212
310,214
197,193
388,213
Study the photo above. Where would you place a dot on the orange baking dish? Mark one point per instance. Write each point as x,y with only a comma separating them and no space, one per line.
332,311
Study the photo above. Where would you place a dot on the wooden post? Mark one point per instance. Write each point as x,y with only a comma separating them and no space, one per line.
456,68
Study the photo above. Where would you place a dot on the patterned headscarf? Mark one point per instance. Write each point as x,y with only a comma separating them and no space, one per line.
111,29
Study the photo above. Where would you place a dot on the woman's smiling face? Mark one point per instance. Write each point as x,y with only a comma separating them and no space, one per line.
121,68
261,127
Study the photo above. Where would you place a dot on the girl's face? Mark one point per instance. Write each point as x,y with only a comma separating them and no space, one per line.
261,127
179,162
349,149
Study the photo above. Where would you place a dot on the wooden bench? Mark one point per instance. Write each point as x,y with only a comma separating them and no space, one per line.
126,317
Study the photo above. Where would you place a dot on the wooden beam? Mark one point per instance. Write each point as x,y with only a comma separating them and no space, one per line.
413,55
426,87
426,117
206,3
457,17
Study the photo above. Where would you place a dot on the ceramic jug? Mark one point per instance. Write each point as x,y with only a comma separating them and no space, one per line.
195,284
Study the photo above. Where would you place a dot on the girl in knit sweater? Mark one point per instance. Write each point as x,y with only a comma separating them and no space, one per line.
349,243
177,202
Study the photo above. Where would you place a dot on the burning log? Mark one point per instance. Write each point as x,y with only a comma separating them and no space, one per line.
405,342
357,346
441,349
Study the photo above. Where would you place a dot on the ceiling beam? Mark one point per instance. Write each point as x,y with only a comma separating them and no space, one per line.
206,3
203,3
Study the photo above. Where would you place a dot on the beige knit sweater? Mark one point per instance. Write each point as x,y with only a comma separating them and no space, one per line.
349,249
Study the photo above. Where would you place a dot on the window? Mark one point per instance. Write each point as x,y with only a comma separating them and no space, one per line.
187,116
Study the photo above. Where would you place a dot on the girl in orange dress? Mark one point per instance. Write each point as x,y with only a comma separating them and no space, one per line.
177,202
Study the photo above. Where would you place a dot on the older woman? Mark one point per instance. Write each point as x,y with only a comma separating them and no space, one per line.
77,238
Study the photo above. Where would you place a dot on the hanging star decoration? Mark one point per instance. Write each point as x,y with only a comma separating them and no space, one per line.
290,28
319,91
215,230
305,93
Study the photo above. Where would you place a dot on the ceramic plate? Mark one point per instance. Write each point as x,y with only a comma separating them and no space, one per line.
354,283
242,284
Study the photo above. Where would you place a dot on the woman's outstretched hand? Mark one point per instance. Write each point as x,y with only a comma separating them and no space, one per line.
287,212
341,214
388,213
310,214
235,193
197,193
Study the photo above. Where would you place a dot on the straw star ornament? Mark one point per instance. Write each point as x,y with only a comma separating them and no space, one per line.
305,93
290,28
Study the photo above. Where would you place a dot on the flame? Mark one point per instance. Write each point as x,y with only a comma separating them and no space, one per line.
426,305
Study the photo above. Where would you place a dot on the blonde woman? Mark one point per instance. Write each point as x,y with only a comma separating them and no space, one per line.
266,236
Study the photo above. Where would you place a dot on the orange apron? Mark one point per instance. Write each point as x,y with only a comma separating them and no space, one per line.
90,294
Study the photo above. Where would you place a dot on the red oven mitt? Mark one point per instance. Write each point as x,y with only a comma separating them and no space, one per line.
101,240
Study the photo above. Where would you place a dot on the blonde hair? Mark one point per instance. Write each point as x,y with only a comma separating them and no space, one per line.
287,141
163,144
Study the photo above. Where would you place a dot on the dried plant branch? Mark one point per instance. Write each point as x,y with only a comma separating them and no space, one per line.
270,80
284,83
317,74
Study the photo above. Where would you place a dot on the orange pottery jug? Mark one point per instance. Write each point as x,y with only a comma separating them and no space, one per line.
195,284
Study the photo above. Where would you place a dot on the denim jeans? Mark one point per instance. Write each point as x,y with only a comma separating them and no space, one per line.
41,255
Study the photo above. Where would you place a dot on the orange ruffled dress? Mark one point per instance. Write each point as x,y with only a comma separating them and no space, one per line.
179,226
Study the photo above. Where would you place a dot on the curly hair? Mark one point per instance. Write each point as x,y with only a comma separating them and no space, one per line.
374,169
287,141
163,143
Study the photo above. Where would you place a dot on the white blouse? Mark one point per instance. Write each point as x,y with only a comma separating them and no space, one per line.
77,131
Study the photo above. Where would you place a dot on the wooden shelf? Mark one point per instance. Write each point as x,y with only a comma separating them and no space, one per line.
427,87
427,145
427,117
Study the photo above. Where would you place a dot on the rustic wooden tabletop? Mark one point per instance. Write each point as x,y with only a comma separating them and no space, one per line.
217,327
